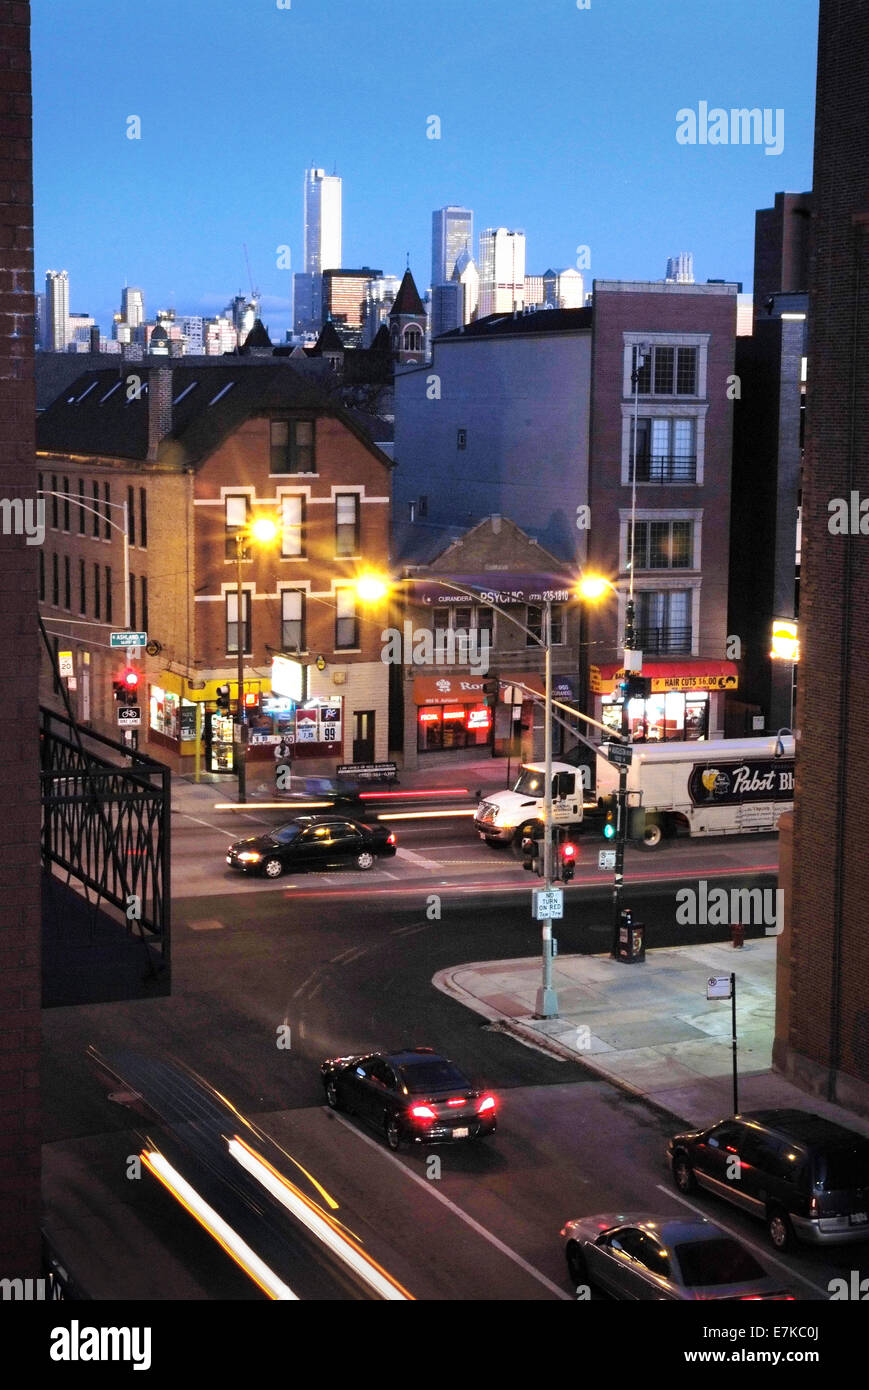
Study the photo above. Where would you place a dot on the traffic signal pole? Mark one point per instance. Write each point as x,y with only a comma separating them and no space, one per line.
547,999
618,874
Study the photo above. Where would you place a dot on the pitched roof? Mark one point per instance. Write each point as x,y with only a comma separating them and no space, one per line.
257,337
539,321
407,301
95,417
329,341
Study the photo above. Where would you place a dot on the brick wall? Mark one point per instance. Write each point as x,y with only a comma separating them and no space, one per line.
19,833
824,1038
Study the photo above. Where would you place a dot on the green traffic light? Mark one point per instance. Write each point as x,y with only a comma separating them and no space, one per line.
609,831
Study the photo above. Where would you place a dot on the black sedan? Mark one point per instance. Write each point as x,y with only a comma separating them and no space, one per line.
415,1096
312,842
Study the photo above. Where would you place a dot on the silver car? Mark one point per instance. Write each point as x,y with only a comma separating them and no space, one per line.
656,1257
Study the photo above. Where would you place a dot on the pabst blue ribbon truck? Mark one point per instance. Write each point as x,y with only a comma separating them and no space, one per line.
730,786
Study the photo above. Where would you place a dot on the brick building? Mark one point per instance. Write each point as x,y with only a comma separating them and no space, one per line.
197,452
822,1017
19,764
683,408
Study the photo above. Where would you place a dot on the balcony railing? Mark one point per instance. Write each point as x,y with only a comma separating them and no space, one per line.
663,641
666,468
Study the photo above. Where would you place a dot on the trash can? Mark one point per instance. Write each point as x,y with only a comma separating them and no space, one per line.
632,940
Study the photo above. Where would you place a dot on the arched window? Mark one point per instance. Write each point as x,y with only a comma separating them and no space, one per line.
412,338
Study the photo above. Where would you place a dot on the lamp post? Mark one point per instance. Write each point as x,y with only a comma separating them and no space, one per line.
373,588
264,530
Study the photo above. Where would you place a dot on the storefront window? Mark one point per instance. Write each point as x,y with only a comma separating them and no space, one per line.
663,718
441,727
172,716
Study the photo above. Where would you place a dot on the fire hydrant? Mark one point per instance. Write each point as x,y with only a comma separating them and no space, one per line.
737,933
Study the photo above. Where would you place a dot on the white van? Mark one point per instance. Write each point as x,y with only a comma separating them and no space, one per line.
730,786
506,816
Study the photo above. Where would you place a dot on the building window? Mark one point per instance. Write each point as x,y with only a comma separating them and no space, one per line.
55,582
663,718
453,726
663,624
672,371
107,498
462,439
67,584
412,508
108,593
347,524
42,574
131,515
97,592
534,622
423,504
81,511
292,526
237,519
55,515
412,338
95,512
662,545
346,620
144,583
82,589
292,620
143,518
291,446
132,601
666,451
66,504
232,622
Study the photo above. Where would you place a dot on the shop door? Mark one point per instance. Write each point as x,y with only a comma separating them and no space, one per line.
363,736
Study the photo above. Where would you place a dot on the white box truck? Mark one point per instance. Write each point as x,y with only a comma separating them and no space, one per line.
509,816
730,786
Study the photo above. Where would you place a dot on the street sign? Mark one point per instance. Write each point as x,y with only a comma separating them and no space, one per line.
129,639
718,986
130,716
548,904
606,859
621,754
64,663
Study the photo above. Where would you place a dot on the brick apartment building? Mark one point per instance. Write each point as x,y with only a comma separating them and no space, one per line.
684,438
197,452
822,1016
20,910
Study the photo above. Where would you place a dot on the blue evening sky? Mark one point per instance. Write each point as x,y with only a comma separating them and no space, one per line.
554,120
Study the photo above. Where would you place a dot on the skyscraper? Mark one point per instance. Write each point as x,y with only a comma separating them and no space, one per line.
452,232
56,310
322,221
502,271
680,269
132,306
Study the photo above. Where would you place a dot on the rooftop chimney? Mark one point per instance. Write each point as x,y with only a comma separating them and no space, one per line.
159,407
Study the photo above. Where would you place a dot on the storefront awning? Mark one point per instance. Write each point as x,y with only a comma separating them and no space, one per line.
670,675
440,690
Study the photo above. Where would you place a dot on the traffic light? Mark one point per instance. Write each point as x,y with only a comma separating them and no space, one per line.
251,703
491,686
531,859
609,823
223,697
126,688
638,687
566,861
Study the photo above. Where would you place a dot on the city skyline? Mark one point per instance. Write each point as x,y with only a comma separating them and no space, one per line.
598,163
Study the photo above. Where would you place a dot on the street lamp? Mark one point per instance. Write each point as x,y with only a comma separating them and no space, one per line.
264,530
373,588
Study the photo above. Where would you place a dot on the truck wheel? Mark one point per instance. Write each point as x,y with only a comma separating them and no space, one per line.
653,834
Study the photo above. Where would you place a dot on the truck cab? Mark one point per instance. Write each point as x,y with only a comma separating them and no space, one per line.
505,817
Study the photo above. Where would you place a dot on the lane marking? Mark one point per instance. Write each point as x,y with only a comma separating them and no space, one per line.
206,924
457,1211
413,858
759,1250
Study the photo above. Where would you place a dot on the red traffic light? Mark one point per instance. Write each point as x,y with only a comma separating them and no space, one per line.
568,851
131,678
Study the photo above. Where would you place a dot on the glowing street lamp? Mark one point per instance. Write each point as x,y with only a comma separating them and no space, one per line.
264,530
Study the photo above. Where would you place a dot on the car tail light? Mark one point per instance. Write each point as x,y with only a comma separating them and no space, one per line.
487,1103
813,1207
423,1112
460,1100
390,839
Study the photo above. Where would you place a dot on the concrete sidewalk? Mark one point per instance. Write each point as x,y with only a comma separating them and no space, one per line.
649,1028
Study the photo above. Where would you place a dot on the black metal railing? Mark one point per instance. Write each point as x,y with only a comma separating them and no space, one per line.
106,822
658,641
666,468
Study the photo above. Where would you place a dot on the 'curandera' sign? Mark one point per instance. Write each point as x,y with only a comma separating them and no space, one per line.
757,779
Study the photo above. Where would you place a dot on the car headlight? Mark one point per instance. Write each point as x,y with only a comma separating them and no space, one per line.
250,856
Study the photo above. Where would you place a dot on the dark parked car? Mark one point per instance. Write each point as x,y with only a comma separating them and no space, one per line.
415,1096
804,1176
312,842
658,1257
